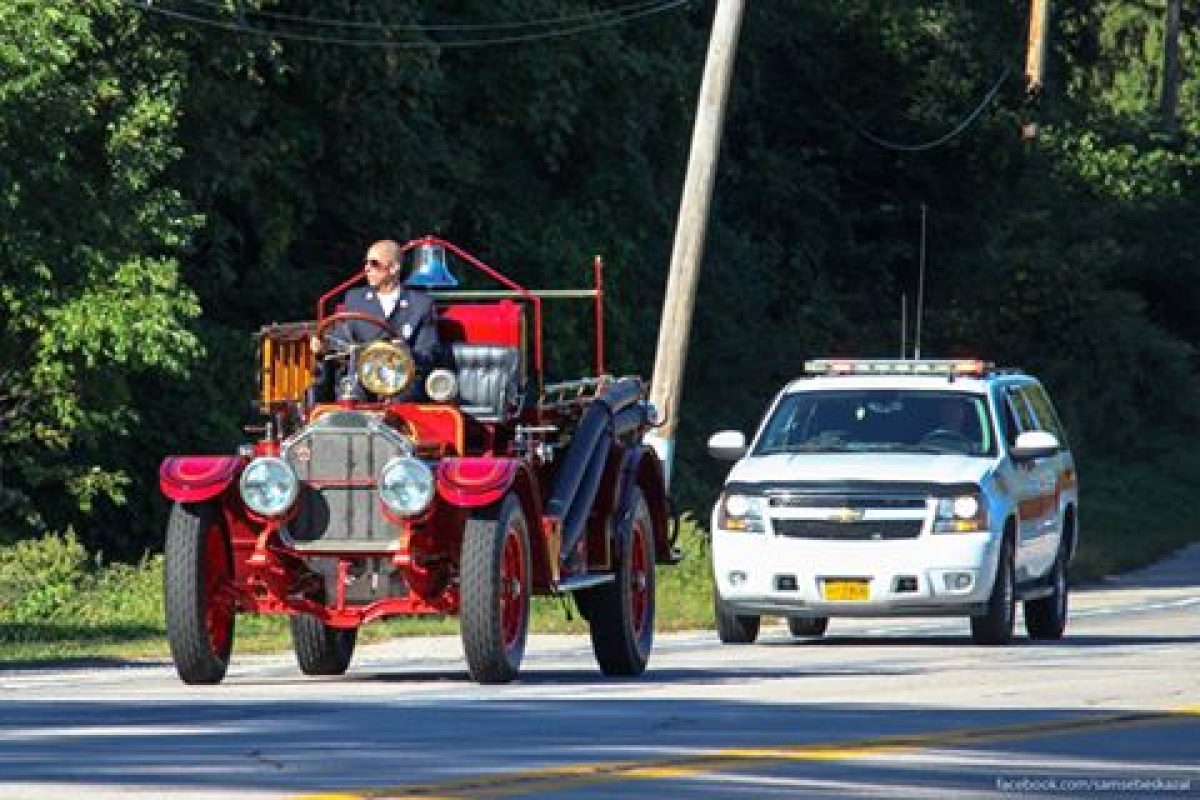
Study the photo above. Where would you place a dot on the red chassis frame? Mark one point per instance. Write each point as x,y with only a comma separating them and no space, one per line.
271,577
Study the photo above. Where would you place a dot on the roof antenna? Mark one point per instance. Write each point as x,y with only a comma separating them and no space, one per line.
903,324
920,291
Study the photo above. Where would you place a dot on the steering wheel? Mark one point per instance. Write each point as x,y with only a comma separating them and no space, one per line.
946,437
342,345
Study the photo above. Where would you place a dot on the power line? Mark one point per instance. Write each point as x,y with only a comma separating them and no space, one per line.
962,125
330,22
658,7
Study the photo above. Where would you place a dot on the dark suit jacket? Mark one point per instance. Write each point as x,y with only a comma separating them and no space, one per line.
414,319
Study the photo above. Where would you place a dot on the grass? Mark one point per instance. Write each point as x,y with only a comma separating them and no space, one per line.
57,602
1135,513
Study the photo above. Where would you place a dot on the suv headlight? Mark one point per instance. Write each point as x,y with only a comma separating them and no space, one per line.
406,486
962,513
742,512
268,486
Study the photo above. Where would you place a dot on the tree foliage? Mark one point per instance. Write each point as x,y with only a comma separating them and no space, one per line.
168,187
89,244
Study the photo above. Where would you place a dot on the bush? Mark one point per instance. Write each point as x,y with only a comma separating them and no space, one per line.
41,579
126,593
54,580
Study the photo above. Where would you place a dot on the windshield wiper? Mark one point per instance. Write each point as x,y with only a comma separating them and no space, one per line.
803,448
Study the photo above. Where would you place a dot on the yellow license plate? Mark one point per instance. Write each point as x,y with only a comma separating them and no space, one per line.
845,590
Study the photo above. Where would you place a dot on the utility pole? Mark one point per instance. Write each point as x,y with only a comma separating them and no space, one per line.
1170,89
676,323
1035,61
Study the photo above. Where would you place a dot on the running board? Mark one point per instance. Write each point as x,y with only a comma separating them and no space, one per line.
585,582
1035,589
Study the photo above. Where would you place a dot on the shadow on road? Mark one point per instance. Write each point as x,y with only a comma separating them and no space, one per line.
664,675
204,742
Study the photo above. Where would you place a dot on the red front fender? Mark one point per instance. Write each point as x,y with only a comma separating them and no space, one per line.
192,479
475,482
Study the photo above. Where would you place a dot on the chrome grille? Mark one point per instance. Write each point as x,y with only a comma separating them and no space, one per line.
851,514
338,459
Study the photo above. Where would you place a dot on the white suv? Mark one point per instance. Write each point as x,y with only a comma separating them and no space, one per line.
897,488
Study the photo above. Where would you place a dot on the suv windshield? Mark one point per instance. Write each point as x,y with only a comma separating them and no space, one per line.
879,420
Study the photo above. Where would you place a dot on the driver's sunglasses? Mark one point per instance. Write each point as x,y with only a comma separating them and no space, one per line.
374,263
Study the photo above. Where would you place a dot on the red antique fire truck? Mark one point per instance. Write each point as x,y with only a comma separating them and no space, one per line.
494,487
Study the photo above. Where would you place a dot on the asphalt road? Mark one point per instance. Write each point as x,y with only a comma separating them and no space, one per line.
879,708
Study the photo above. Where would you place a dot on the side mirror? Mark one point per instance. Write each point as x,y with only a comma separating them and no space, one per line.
727,445
1035,444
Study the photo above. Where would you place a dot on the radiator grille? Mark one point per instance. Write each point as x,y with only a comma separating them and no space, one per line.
338,460
861,530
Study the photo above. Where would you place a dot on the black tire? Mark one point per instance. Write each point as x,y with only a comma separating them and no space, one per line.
320,649
807,626
494,588
197,593
1046,617
620,614
995,626
734,628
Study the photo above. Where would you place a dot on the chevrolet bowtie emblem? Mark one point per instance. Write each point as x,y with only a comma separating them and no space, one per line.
848,515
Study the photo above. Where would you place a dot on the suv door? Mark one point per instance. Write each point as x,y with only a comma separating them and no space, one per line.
1037,489
1061,465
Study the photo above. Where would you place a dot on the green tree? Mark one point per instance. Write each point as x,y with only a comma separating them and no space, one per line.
90,235
264,163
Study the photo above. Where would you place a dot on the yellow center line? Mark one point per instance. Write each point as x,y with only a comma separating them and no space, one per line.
569,776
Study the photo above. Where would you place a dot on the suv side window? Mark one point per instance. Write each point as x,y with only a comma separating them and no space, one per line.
1007,419
1018,416
1040,402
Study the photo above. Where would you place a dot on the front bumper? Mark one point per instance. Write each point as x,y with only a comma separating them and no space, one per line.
932,575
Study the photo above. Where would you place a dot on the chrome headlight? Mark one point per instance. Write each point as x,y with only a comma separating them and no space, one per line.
962,513
406,486
742,512
441,385
386,368
268,486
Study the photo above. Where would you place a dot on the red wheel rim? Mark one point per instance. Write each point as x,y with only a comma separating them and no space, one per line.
639,580
513,599
218,612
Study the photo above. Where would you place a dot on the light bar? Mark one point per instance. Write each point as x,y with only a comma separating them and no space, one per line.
896,366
